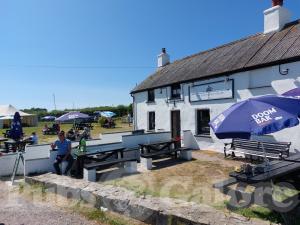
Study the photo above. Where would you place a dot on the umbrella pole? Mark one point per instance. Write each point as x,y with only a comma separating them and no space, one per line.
265,157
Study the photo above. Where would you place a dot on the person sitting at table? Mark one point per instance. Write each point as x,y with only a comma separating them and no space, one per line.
34,139
86,133
46,128
111,123
71,135
63,146
106,123
55,127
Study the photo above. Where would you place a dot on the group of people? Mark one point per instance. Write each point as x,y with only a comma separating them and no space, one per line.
109,123
54,129
74,134
63,145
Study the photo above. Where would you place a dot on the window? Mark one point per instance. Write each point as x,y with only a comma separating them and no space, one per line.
151,95
175,91
203,118
151,122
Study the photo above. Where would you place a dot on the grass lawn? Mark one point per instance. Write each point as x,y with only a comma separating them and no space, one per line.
192,182
120,127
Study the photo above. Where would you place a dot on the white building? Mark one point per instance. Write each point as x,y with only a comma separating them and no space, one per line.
7,113
188,93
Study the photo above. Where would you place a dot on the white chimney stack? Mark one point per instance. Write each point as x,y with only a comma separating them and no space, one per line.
163,58
276,17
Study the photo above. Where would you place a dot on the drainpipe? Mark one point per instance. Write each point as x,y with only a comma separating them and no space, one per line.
134,111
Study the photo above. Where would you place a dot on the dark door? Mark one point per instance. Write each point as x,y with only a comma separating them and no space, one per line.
175,126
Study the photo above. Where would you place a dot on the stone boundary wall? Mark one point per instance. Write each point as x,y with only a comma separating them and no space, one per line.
148,209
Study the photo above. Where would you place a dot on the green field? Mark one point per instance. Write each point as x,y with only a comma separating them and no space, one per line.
120,127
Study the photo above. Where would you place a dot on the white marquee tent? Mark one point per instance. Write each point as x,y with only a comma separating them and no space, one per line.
7,112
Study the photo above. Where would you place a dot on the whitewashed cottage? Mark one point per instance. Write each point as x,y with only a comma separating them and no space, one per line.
183,96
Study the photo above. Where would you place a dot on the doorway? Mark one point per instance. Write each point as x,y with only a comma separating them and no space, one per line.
175,126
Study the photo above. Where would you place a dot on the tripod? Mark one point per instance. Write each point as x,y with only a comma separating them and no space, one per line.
16,165
20,157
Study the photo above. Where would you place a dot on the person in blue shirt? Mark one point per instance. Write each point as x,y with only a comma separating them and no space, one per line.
63,146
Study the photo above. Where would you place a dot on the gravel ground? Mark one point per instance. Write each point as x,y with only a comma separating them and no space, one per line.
16,210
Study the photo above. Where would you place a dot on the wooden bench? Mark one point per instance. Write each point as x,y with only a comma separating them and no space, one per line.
146,158
161,154
81,126
89,170
50,131
6,134
273,150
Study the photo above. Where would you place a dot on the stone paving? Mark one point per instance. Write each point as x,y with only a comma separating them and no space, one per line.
16,210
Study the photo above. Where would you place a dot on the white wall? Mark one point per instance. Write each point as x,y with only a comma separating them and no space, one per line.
247,84
133,141
37,151
40,159
7,165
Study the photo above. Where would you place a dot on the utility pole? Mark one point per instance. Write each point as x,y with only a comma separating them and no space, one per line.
54,101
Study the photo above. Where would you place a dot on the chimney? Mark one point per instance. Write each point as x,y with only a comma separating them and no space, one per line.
276,17
277,2
163,58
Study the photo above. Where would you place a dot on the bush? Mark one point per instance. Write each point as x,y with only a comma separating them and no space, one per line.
101,121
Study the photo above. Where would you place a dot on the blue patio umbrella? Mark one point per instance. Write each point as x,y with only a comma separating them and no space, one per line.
49,118
257,116
107,114
293,93
72,116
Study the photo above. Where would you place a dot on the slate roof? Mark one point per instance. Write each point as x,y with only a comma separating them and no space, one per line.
250,53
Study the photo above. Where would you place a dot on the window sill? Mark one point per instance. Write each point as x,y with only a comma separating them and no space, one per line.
150,131
175,100
203,135
150,102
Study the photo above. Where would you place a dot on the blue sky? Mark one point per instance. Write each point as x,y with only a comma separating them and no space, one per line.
93,52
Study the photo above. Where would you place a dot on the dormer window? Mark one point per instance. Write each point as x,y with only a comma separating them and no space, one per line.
175,91
151,95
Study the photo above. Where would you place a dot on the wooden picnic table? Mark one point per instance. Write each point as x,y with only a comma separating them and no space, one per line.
96,156
3,140
281,172
157,146
277,169
81,126
15,145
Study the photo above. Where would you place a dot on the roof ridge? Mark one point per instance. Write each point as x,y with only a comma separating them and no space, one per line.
295,22
256,42
218,47
234,42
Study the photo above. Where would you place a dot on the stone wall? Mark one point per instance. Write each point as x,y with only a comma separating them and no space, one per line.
151,210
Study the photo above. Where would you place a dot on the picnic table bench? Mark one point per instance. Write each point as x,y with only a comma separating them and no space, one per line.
272,150
6,134
12,145
162,149
50,131
3,140
81,126
279,172
89,162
